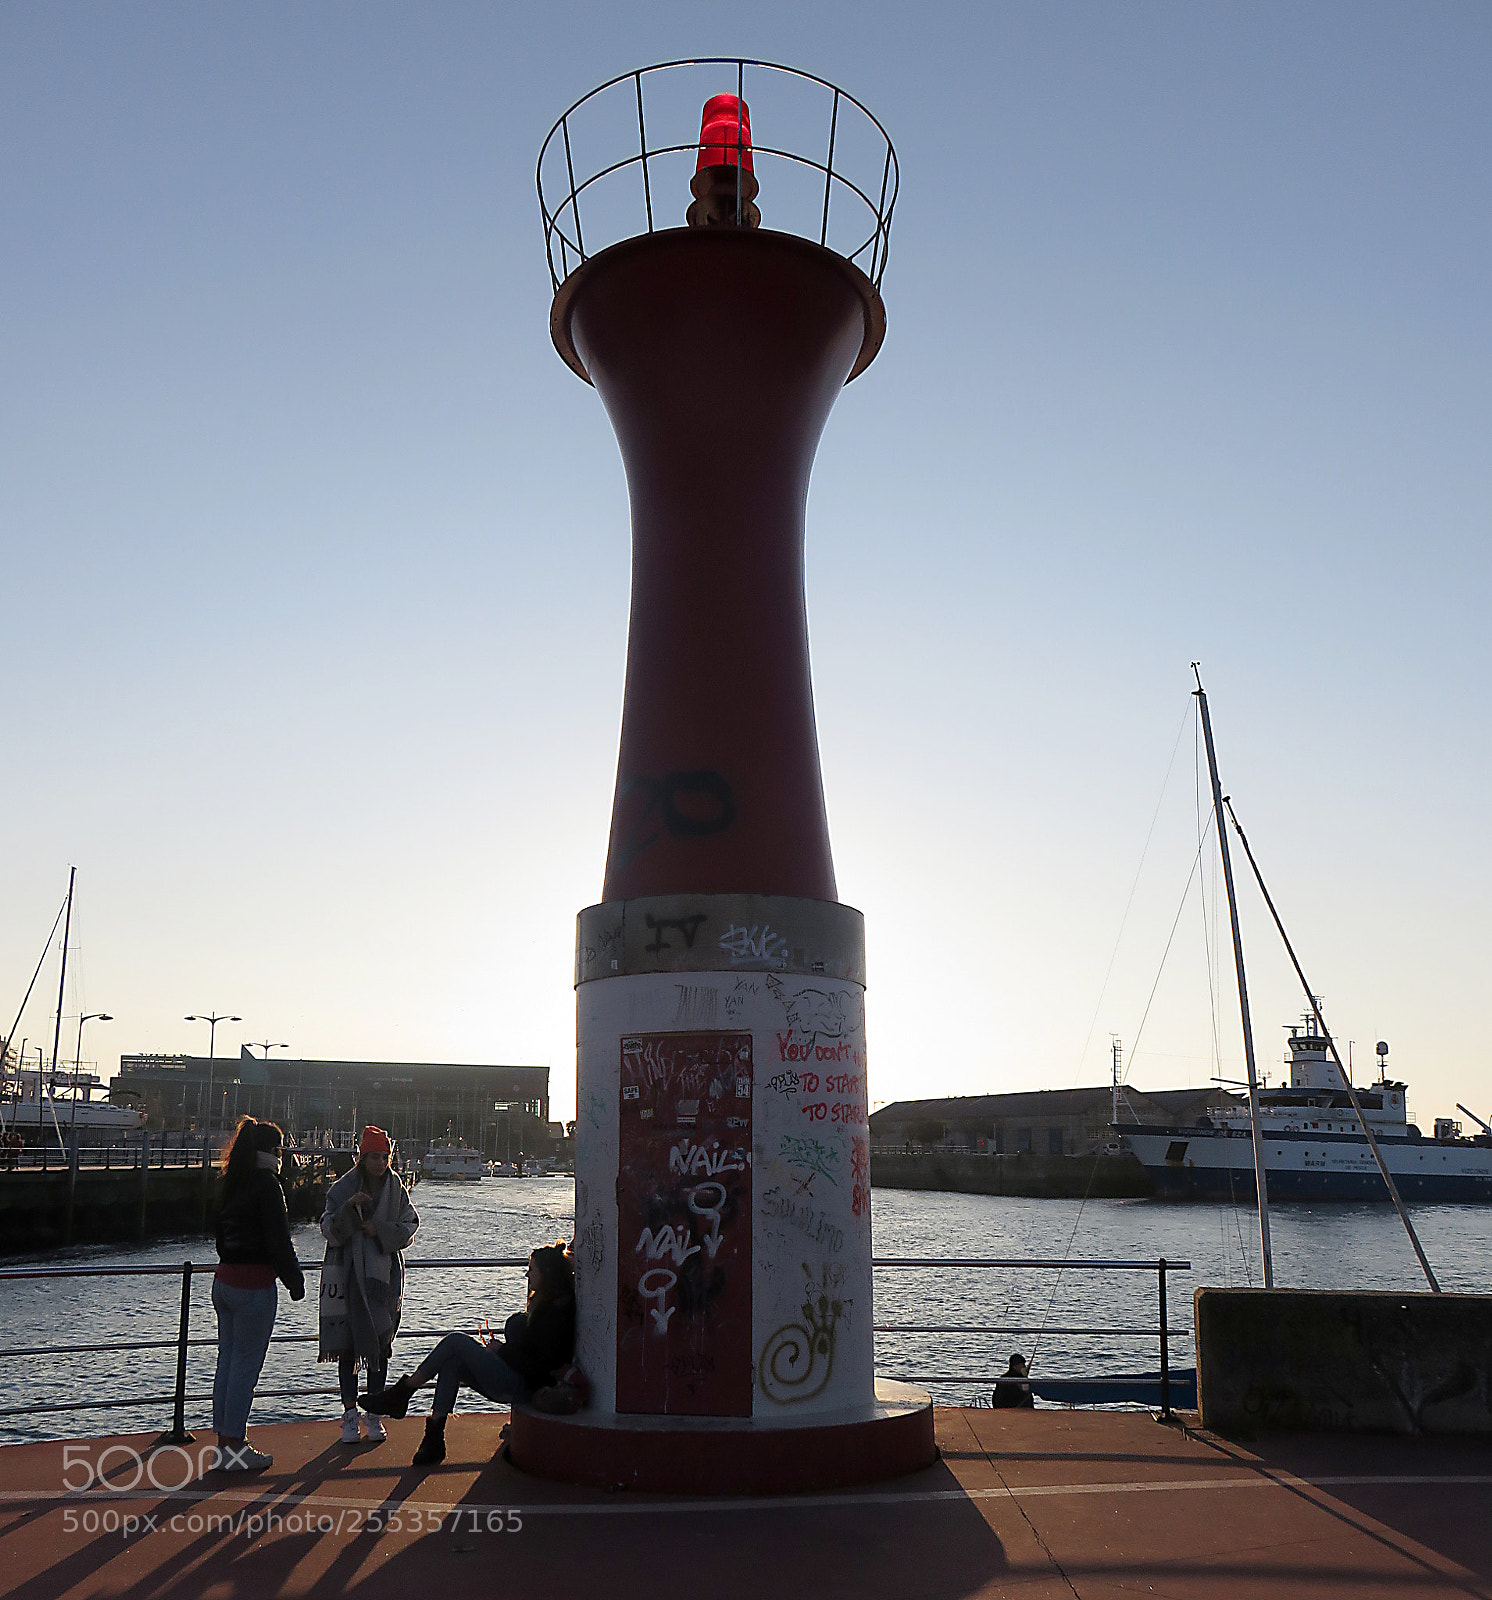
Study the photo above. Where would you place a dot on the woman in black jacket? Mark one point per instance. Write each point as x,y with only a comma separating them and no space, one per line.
254,1249
535,1343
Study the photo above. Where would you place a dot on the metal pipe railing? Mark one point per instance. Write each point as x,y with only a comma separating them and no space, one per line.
178,1434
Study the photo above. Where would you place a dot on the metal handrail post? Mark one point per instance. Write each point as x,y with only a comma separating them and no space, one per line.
1165,1352
177,1434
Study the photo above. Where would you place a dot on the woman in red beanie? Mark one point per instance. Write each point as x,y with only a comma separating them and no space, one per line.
367,1225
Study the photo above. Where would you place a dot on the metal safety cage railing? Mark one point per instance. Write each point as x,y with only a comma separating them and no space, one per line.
187,1273
584,214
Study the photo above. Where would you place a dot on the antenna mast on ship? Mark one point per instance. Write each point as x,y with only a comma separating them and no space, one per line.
1243,993
1116,1052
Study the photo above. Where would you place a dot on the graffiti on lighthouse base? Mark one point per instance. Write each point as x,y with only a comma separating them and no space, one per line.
684,1208
797,1360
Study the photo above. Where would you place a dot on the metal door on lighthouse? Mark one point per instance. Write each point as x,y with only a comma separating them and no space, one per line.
684,1214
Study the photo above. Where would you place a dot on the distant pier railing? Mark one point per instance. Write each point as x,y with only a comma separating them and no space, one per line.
1097,1389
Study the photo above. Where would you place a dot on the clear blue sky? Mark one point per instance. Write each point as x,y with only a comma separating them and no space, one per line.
314,555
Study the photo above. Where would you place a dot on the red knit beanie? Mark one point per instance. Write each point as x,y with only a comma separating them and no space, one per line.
374,1139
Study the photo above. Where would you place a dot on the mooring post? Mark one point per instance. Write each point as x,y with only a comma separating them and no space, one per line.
72,1185
144,1177
177,1433
1165,1352
206,1174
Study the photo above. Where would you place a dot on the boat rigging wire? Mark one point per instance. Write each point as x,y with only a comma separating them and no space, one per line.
1118,938
45,950
1176,923
1077,1220
1393,1192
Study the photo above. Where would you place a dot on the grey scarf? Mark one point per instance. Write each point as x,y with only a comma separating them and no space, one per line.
362,1278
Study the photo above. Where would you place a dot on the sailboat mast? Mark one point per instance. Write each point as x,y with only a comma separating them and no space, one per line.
1243,992
1388,1177
72,874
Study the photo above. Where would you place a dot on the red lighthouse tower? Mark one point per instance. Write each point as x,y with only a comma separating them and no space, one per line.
723,1261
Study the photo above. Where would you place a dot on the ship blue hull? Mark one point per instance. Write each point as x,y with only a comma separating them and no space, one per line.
1222,1183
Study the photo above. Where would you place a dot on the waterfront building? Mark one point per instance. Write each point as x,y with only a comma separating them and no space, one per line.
496,1109
1056,1122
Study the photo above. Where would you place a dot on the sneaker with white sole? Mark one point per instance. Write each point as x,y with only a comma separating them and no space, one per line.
350,1434
373,1425
243,1458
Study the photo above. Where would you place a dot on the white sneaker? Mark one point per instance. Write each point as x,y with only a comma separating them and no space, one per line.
373,1426
244,1458
350,1434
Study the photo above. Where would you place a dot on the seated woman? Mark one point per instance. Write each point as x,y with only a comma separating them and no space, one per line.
535,1342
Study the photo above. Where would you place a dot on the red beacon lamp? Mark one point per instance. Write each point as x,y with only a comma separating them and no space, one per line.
722,1212
724,182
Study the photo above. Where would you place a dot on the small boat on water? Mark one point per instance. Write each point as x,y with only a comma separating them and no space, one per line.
453,1161
1314,1147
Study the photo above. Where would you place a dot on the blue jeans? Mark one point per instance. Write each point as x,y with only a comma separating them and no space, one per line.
378,1372
458,1359
246,1318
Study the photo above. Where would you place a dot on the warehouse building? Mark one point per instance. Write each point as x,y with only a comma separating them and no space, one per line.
495,1109
1059,1122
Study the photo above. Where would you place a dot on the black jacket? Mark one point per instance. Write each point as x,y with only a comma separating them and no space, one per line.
533,1346
254,1230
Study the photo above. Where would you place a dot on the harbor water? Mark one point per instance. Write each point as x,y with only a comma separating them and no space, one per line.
89,1321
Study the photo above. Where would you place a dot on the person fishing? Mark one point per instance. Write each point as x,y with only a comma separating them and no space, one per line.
1013,1392
368,1224
536,1343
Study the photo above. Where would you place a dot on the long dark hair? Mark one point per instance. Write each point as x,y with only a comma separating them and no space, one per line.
556,1276
240,1159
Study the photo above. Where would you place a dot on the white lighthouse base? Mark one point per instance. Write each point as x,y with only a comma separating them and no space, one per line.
722,1162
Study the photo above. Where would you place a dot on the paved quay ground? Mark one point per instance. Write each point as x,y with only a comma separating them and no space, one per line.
1031,1504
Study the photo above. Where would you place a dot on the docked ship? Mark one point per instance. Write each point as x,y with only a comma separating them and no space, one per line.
42,1105
453,1162
1313,1145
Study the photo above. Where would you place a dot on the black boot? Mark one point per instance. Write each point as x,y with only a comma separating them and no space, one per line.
432,1448
393,1401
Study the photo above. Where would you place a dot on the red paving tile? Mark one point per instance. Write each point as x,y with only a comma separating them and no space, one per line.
1030,1504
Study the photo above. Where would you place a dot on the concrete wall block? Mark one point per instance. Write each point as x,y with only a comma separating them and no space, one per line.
1319,1360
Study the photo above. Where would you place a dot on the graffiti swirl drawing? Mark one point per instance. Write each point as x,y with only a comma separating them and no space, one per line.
797,1361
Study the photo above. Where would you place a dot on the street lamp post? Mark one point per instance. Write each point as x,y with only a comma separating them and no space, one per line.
91,1016
212,1019
266,1047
